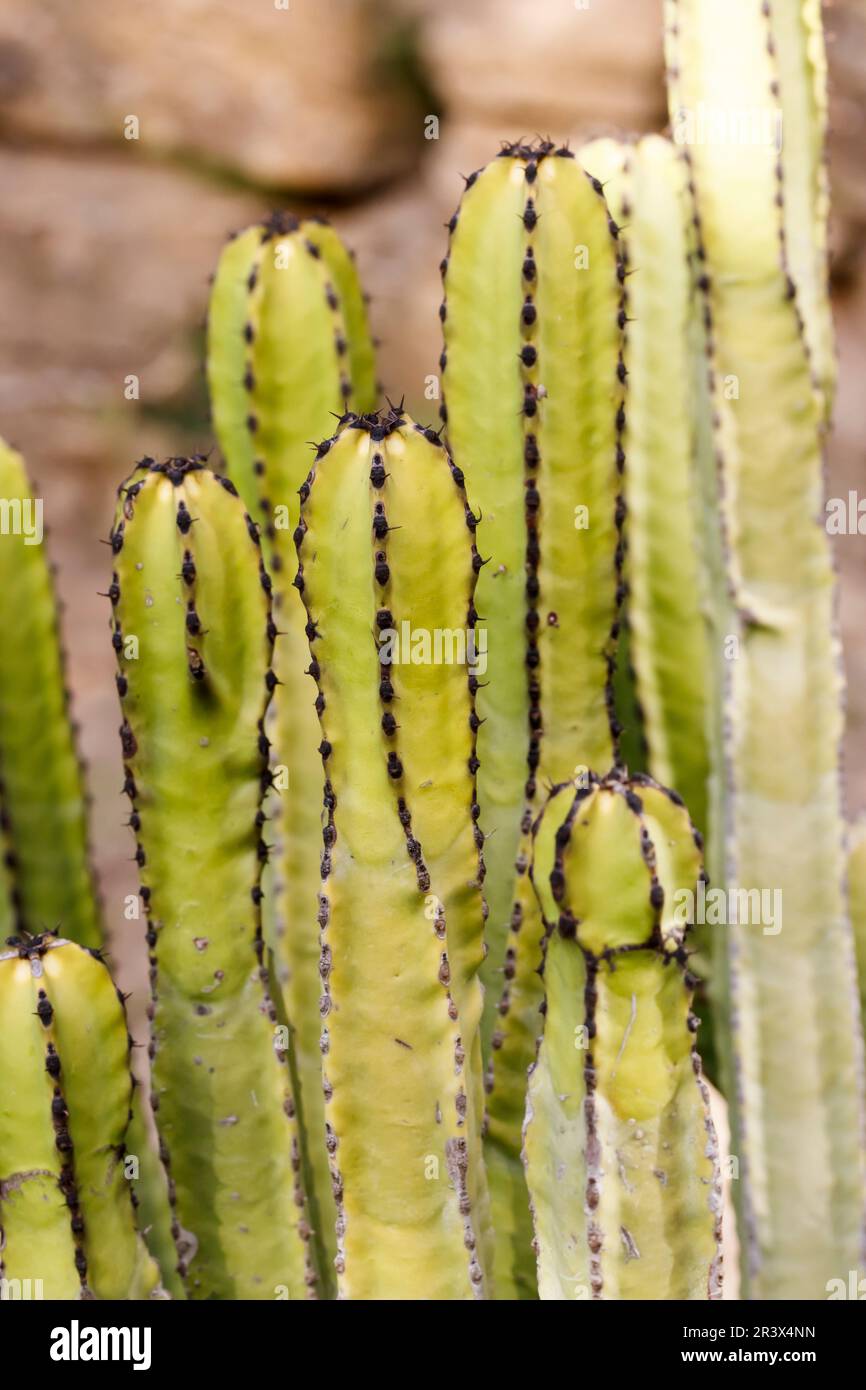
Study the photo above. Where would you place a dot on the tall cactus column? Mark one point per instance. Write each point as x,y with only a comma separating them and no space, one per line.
66,1214
620,1152
791,989
43,793
289,348
534,383
387,568
194,636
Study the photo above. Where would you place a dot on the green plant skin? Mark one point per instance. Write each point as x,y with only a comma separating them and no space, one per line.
289,347
646,188
619,1147
797,32
778,826
401,910
537,437
153,1207
857,903
65,1203
189,584
43,792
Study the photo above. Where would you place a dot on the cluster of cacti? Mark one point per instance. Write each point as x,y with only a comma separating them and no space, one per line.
421,1019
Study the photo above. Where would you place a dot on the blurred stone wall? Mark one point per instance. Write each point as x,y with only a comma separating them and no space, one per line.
236,107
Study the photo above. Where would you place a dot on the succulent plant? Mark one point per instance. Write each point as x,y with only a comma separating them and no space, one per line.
42,796
620,1150
66,1206
776,680
533,378
289,347
193,633
387,569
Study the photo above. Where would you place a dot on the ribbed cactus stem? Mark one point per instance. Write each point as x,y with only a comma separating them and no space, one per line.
785,981
43,798
289,348
193,633
645,185
534,382
620,1150
387,566
66,1207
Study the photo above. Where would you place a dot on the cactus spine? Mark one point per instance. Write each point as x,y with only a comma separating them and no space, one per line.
289,347
194,636
533,376
619,1145
66,1212
42,791
796,1130
387,566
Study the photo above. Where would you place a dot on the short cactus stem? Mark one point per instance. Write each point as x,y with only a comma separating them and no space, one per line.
534,385
193,633
289,348
42,796
66,1207
620,1151
387,567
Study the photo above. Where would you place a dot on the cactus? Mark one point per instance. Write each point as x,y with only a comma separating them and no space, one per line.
645,185
385,541
533,379
796,1130
42,790
620,1151
65,1205
193,633
288,346
857,901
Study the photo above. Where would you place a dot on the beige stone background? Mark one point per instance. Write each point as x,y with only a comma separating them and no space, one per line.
106,243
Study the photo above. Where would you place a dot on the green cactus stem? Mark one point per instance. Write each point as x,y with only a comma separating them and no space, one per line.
289,347
645,185
193,633
534,379
387,566
857,902
66,1207
620,1151
43,794
786,988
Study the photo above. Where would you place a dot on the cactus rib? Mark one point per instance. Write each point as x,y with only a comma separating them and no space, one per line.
385,544
619,1146
193,633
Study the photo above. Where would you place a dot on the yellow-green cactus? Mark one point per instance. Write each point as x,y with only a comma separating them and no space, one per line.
784,980
534,379
645,185
66,1207
857,902
619,1146
289,348
387,567
193,633
42,791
